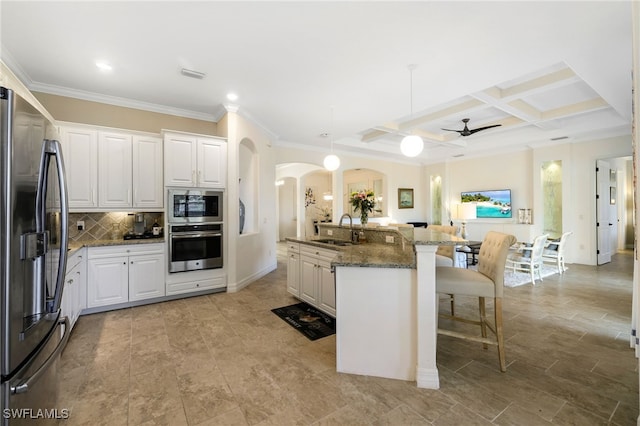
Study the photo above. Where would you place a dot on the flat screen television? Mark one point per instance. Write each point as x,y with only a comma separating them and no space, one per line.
490,204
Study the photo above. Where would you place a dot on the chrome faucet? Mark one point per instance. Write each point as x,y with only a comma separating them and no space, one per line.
350,220
355,235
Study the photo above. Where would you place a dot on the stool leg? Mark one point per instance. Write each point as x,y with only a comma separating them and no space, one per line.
499,334
483,319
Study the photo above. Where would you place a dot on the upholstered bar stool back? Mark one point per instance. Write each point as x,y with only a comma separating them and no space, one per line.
486,282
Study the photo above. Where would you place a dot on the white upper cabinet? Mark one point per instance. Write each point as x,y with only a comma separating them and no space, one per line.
147,172
114,170
195,161
80,151
212,163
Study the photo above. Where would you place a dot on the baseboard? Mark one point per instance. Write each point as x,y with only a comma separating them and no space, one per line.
428,378
235,287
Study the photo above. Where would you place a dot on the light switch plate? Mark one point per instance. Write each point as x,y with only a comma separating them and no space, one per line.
389,239
329,232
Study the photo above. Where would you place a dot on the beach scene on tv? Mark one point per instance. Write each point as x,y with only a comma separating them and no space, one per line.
489,204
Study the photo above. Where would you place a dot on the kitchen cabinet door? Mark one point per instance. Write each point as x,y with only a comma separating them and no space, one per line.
212,163
108,281
293,273
326,288
146,276
148,186
80,151
308,279
114,173
180,163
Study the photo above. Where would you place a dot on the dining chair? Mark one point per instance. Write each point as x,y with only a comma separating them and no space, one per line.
529,258
486,282
556,254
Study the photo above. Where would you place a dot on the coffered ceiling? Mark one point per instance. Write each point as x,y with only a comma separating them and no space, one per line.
314,72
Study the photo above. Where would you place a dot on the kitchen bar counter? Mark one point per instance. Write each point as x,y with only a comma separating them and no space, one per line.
382,255
395,283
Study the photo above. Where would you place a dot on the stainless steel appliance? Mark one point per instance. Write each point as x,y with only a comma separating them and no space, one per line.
194,206
139,225
194,247
33,254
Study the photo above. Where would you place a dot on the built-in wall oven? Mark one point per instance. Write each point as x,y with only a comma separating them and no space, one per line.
194,206
195,246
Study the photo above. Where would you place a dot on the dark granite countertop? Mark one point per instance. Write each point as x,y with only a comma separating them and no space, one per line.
76,245
380,255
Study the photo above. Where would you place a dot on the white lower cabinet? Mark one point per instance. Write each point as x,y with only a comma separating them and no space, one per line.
119,274
317,283
293,269
75,284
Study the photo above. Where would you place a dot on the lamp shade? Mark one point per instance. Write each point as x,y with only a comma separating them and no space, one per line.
411,145
331,162
466,211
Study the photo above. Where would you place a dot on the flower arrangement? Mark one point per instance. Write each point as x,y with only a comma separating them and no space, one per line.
364,201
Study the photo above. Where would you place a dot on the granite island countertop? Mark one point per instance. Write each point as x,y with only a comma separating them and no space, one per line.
380,255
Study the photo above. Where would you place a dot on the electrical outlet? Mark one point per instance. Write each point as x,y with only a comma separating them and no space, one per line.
80,225
389,239
329,232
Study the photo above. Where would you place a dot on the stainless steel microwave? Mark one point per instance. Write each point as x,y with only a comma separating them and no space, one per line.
194,206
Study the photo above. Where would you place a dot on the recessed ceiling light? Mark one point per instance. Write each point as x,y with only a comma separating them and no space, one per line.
103,66
232,97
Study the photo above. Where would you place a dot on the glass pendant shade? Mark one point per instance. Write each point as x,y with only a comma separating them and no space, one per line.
331,162
411,145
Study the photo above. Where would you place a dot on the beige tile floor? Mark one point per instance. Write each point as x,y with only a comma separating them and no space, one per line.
225,359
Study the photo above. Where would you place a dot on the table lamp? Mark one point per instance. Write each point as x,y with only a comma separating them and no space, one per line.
465,212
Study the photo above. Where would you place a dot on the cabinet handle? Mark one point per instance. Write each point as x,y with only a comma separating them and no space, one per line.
193,176
124,263
70,281
132,262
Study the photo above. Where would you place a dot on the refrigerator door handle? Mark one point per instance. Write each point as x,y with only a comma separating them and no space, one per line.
24,386
52,148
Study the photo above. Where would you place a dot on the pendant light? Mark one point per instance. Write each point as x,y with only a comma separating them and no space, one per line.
331,161
411,145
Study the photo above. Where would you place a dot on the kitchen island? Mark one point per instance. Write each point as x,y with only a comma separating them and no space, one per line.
386,308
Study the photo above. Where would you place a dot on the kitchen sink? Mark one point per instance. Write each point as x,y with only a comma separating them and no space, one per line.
334,242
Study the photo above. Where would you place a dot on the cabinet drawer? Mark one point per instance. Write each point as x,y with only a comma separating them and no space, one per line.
124,250
75,259
293,247
190,286
321,254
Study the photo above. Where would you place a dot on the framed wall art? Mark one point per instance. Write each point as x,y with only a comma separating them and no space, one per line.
405,198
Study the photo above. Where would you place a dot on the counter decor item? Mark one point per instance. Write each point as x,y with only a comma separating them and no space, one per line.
363,201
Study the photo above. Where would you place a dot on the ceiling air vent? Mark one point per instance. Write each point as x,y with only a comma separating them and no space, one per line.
560,138
193,74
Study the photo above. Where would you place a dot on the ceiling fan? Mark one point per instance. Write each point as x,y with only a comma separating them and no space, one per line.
467,132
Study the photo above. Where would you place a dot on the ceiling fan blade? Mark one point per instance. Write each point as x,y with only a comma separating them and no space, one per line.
483,128
451,130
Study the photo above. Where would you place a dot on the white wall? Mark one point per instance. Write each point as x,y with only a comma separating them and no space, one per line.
253,254
520,172
398,175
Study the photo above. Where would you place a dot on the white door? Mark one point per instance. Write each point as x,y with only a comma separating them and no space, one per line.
114,171
80,149
147,172
180,160
108,281
308,279
212,162
604,224
146,276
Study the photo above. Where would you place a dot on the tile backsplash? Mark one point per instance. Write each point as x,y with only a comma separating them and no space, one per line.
107,225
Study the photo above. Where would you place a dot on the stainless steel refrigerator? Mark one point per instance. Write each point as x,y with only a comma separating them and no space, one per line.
33,251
